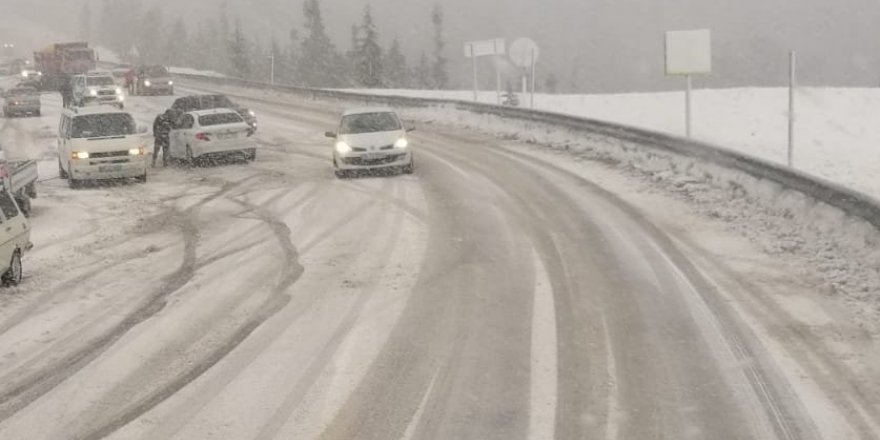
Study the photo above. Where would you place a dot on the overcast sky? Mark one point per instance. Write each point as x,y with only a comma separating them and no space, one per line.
591,45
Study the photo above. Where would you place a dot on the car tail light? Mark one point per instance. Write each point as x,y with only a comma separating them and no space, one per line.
202,137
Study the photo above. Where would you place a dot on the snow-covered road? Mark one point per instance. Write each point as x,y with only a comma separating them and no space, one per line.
498,293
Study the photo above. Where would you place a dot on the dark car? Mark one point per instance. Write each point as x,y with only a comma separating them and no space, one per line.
149,80
21,100
188,104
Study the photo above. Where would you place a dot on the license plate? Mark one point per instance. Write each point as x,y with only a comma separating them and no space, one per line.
109,168
374,156
227,135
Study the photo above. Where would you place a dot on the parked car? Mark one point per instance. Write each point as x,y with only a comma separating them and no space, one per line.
98,143
15,238
97,88
21,101
369,139
149,80
193,103
207,133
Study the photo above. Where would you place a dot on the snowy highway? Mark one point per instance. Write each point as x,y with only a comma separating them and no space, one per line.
500,292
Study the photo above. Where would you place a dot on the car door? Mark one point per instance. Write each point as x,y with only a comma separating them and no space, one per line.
7,237
179,137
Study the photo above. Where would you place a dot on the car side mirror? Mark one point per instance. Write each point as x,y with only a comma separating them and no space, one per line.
330,134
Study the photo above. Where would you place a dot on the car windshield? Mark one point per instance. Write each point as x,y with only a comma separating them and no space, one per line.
99,81
219,119
369,123
22,91
103,125
156,71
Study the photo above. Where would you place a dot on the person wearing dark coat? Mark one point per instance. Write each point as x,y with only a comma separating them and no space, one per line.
67,92
161,130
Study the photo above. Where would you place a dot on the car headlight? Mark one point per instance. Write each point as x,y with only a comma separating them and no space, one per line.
401,143
343,148
80,154
118,90
136,152
251,112
24,74
93,92
147,83
170,83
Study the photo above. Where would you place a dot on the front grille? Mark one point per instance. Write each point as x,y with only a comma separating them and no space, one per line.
358,161
387,147
109,154
110,162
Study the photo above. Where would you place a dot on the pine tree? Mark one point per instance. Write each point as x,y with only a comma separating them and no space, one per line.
148,43
397,72
319,62
422,73
239,53
176,49
439,74
368,55
85,22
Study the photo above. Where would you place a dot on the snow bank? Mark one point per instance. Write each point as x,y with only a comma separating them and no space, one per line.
188,71
843,250
837,134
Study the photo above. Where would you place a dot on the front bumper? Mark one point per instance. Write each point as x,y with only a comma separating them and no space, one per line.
104,99
366,161
110,168
224,148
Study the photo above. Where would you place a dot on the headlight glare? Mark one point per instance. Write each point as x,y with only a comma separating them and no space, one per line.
343,148
136,152
93,92
147,83
401,143
80,154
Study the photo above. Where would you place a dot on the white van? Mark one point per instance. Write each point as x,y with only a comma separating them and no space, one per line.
97,143
15,238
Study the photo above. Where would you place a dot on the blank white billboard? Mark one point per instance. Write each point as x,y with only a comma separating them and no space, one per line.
688,52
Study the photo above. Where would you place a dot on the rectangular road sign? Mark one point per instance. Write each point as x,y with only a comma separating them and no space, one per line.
689,52
485,48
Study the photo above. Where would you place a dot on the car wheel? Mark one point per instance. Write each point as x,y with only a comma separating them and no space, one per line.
251,155
190,161
31,190
39,113
12,277
142,179
341,174
411,168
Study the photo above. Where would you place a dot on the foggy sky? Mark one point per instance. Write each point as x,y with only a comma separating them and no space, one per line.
590,45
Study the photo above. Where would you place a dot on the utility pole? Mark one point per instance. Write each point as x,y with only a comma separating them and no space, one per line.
792,83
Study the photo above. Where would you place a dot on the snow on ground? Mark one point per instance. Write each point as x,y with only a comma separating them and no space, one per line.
188,71
837,135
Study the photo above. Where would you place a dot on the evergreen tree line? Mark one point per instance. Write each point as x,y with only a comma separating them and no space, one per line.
307,57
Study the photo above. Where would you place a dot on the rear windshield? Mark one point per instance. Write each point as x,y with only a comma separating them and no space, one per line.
206,102
22,91
155,71
100,81
219,119
369,123
105,125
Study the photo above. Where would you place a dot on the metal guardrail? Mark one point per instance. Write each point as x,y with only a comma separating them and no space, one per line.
849,201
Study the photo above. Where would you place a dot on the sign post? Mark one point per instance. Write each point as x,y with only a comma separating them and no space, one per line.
792,83
476,49
524,54
688,53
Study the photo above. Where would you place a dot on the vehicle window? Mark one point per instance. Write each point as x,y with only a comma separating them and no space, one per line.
100,81
21,91
7,205
155,71
188,122
369,123
219,118
103,125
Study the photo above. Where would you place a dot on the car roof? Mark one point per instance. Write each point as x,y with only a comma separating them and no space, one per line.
364,110
95,110
212,111
99,73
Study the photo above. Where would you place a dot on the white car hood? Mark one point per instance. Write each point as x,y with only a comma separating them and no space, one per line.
372,141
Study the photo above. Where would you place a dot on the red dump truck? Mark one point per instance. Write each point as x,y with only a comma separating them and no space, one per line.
60,61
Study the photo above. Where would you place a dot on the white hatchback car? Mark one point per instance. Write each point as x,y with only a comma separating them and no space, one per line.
369,139
15,238
216,132
96,143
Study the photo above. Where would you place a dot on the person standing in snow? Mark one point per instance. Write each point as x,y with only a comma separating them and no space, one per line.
161,131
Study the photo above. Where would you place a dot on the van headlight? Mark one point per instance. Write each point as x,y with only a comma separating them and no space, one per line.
147,83
343,148
118,90
401,143
93,92
136,152
80,154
